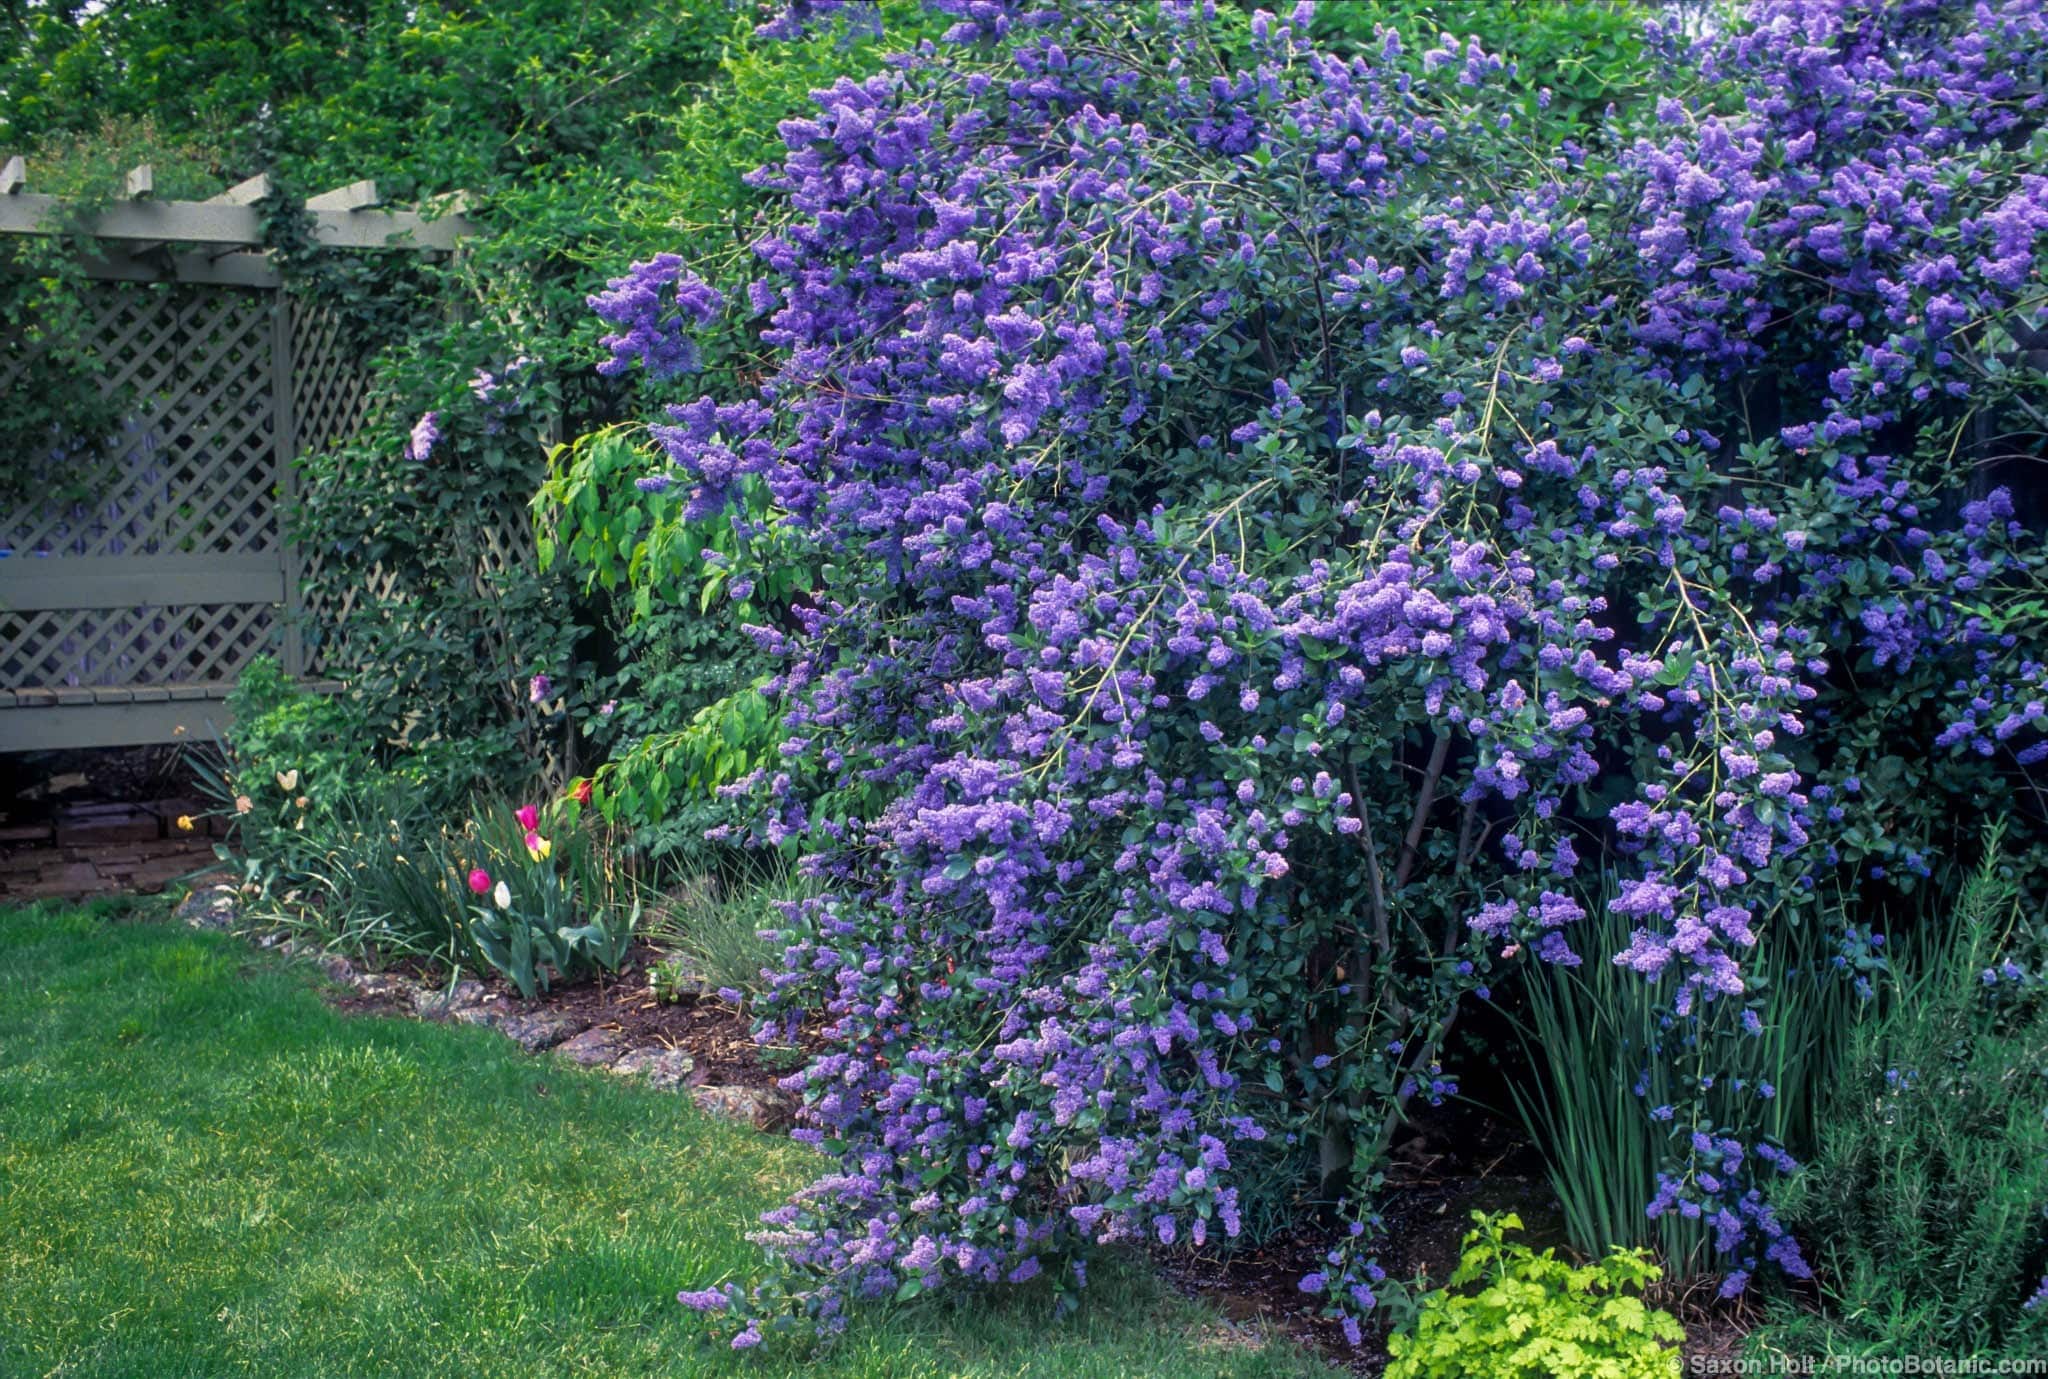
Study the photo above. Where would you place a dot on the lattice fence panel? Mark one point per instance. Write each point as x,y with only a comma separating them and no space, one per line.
330,395
180,503
194,468
330,404
177,644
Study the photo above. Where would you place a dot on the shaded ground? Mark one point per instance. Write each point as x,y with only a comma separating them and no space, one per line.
100,848
99,822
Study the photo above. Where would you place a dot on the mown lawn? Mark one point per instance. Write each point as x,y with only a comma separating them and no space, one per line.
204,1171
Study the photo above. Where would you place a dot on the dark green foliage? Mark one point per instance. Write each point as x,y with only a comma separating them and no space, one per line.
584,135
1925,1206
455,621
1587,54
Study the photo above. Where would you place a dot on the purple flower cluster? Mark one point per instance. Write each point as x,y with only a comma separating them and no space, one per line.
654,307
426,434
1269,579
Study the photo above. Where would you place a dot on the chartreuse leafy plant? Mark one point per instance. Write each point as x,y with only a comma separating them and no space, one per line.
1535,1316
1284,529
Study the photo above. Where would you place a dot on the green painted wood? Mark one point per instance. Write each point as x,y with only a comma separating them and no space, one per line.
33,583
199,719
128,623
210,222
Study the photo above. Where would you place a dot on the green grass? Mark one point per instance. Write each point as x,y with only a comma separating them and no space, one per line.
204,1171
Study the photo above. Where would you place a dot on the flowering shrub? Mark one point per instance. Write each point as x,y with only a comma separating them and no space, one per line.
1279,530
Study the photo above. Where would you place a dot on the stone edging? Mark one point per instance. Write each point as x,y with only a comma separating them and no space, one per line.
466,1001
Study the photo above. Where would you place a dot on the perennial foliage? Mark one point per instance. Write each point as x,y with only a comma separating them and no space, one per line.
1282,529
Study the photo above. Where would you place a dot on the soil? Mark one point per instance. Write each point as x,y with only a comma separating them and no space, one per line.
1454,1160
716,1035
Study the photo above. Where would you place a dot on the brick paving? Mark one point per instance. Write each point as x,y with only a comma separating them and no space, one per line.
102,849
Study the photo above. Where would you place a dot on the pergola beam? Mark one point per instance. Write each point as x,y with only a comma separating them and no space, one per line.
247,192
356,196
220,267
237,226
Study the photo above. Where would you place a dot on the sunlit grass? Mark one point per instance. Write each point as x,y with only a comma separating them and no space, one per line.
206,1172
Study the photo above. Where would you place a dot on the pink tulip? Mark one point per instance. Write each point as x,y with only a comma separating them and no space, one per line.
529,817
480,881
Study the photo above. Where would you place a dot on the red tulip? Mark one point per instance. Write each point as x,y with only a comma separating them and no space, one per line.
581,794
529,817
480,881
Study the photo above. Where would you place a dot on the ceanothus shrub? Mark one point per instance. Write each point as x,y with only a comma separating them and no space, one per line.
1285,537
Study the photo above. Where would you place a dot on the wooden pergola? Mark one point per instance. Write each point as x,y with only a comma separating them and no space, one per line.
127,619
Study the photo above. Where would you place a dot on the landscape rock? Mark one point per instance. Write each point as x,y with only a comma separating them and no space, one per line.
531,1032
445,1002
596,1045
210,907
665,1069
758,1107
388,986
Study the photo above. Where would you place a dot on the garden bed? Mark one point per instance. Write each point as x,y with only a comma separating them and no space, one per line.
614,1021
1456,1159
1453,1160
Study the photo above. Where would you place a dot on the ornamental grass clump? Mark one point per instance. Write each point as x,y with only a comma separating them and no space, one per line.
1282,533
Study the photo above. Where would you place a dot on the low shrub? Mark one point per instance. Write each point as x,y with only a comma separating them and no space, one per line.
1927,1206
1537,1316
